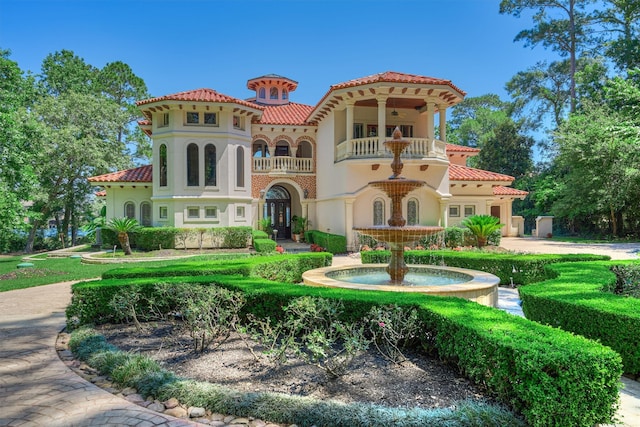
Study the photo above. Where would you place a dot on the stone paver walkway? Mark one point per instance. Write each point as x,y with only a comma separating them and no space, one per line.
38,389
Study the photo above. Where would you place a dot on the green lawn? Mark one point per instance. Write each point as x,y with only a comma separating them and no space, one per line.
587,240
53,270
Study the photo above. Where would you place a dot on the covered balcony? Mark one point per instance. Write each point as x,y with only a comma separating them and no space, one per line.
282,158
373,147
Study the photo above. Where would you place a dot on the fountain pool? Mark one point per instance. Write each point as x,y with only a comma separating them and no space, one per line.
473,285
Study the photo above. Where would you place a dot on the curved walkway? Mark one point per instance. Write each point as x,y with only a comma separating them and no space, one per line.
38,389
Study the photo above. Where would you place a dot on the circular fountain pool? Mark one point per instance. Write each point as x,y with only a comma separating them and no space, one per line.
445,281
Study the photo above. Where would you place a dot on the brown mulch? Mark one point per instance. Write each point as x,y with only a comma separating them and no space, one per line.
420,381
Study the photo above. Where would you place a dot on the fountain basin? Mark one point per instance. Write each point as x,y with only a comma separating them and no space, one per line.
473,285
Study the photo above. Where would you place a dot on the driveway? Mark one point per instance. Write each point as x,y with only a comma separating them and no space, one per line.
549,246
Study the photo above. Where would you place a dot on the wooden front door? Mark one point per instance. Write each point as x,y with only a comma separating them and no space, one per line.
278,208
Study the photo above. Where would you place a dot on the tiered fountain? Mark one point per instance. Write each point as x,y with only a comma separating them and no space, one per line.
447,281
396,234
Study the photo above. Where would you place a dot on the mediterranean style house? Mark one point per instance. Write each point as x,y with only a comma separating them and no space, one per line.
223,161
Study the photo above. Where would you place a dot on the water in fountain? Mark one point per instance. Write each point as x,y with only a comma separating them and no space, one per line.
397,235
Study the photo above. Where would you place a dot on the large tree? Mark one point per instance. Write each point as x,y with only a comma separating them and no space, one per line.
621,23
507,151
16,131
560,25
599,152
474,120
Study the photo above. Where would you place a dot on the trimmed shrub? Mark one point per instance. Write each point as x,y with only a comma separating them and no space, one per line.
259,234
334,243
574,300
264,245
155,238
236,237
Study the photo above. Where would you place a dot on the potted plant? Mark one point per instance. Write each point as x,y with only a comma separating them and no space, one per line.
298,227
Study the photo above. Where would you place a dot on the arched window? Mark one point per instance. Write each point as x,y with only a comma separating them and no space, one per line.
260,149
282,148
285,94
261,93
240,167
163,165
210,165
273,93
304,150
145,214
378,212
130,210
412,212
193,171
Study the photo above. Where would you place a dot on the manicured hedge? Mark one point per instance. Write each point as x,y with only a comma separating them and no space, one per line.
574,301
264,245
524,269
155,238
553,378
259,234
334,243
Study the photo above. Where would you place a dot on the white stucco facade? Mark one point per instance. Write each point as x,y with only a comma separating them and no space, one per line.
223,161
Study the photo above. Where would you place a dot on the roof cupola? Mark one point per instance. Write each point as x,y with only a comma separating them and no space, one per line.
272,89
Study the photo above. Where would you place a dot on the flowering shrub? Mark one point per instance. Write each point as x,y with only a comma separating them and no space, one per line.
279,249
393,328
316,248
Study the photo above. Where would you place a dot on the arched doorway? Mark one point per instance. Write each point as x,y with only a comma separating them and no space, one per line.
278,207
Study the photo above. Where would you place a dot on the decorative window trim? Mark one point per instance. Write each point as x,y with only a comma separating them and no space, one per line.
192,118
240,212
133,207
164,120
454,211
469,210
163,213
193,212
210,119
211,212
238,122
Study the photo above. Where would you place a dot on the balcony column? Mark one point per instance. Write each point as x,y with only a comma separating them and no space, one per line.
442,221
349,133
348,223
382,123
442,115
430,127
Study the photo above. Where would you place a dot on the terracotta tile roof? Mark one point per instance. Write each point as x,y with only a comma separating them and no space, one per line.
288,114
101,193
501,190
200,95
465,173
139,174
453,148
395,77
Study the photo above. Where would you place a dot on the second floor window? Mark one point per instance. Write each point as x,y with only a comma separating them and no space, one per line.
273,93
193,172
210,165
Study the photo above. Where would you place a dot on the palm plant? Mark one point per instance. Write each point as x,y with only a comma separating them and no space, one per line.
123,226
481,226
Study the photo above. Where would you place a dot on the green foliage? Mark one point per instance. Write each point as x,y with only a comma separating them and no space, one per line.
265,225
122,227
312,329
264,245
393,328
482,226
154,238
507,151
334,243
209,313
574,301
236,237
259,234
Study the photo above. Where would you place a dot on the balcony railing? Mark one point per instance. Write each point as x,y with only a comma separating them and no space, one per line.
282,165
364,148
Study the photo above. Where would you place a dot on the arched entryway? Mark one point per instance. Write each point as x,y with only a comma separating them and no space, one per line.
278,207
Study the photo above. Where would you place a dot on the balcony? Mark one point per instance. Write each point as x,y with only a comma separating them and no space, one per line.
282,165
373,147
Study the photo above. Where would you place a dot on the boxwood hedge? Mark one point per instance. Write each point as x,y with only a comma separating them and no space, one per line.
553,378
573,299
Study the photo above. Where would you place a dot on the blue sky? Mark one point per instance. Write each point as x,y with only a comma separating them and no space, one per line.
182,45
